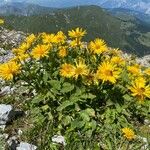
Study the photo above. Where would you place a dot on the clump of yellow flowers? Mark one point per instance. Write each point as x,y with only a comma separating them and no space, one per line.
128,133
1,21
92,63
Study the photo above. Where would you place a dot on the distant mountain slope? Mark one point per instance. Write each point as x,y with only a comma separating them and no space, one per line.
23,9
122,12
136,5
131,35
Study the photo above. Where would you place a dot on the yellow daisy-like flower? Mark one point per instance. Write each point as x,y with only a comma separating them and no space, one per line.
128,133
118,60
18,51
139,89
67,70
62,51
134,70
8,70
21,57
91,79
77,33
48,38
22,48
40,51
60,37
1,21
115,52
30,39
108,72
98,46
81,69
147,71
76,43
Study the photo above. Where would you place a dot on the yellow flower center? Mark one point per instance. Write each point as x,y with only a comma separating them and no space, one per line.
141,91
97,46
79,70
108,73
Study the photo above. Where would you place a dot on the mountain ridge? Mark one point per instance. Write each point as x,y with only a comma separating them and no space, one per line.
130,35
136,5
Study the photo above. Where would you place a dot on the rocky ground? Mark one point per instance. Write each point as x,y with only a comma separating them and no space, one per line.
8,40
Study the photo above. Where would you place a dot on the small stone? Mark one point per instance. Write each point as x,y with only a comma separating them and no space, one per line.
146,121
4,136
2,127
5,111
58,139
26,146
6,90
12,142
20,132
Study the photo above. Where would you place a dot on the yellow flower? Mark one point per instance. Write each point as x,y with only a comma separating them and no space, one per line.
128,133
118,60
77,33
108,72
67,70
62,51
48,38
76,43
40,51
18,51
30,39
98,46
90,79
147,71
21,57
115,52
8,70
1,21
81,69
134,70
60,37
139,89
22,48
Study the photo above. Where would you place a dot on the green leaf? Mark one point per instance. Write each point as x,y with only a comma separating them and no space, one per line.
84,116
64,105
55,84
67,120
45,107
127,97
50,116
50,95
45,77
67,87
77,124
74,99
37,99
90,112
88,96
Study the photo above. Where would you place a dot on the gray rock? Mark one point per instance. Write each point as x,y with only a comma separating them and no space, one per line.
5,55
5,113
12,38
12,142
144,61
26,146
6,91
58,139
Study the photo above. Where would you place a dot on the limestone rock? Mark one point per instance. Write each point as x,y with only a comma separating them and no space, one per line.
5,113
58,139
26,146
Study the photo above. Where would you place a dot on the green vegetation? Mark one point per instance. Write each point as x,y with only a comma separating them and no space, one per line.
92,96
118,32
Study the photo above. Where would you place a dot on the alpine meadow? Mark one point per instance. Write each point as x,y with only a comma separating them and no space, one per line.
75,75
